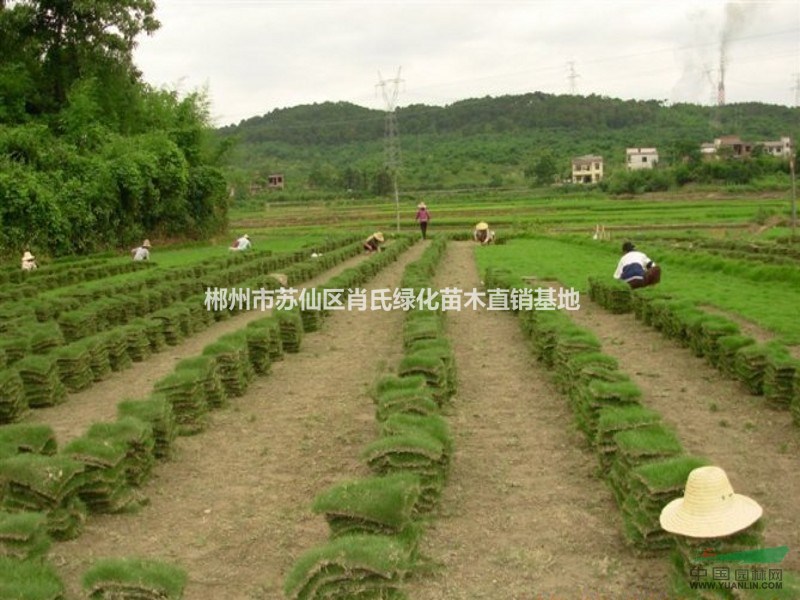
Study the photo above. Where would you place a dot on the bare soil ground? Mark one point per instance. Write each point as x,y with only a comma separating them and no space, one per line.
232,507
99,402
524,515
714,417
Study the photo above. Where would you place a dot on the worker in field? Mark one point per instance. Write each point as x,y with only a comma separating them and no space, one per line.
243,243
28,261
482,234
142,252
423,217
373,242
636,269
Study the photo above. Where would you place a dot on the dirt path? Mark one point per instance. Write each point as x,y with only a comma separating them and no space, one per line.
523,514
99,402
714,417
233,506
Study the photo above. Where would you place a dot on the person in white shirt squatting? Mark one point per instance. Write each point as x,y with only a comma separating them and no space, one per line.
636,269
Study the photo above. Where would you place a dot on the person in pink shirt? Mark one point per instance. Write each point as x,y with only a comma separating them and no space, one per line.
423,216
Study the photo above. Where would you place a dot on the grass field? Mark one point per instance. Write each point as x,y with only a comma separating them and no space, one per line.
210,435
517,211
766,296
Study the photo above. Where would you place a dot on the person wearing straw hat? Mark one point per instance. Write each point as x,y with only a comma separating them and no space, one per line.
423,216
28,261
709,507
482,234
636,269
142,252
242,243
373,242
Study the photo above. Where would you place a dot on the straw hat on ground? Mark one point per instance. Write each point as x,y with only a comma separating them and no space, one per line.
146,244
709,507
28,256
378,236
482,226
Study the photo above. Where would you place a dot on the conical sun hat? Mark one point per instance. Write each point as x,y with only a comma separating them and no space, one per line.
379,236
421,205
28,256
247,237
709,507
146,244
482,226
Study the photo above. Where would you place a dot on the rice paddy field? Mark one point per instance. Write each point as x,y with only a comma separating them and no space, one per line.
436,421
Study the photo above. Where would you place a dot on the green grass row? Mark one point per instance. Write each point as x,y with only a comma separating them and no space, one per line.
376,522
43,378
100,470
641,459
764,368
764,295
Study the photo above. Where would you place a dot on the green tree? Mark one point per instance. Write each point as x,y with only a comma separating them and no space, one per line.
383,183
60,41
544,170
90,155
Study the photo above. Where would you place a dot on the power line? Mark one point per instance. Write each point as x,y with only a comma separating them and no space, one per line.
390,90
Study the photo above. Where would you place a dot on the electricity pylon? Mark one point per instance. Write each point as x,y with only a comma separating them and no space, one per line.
390,89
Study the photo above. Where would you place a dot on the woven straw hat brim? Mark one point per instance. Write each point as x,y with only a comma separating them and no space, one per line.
421,205
482,226
737,513
146,244
379,237
28,256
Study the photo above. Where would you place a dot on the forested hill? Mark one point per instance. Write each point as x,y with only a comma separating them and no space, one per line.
482,141
342,122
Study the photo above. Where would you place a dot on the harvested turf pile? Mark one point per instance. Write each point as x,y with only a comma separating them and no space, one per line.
381,505
134,579
49,484
29,580
353,566
23,535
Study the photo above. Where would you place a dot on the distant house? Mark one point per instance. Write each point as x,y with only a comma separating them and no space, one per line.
781,148
275,181
734,147
587,169
641,158
707,149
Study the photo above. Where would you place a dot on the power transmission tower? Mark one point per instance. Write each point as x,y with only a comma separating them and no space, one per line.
573,78
715,112
796,88
390,89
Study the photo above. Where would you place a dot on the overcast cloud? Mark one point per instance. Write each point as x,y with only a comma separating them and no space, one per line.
254,56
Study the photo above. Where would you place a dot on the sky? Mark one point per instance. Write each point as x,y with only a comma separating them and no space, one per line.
255,56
